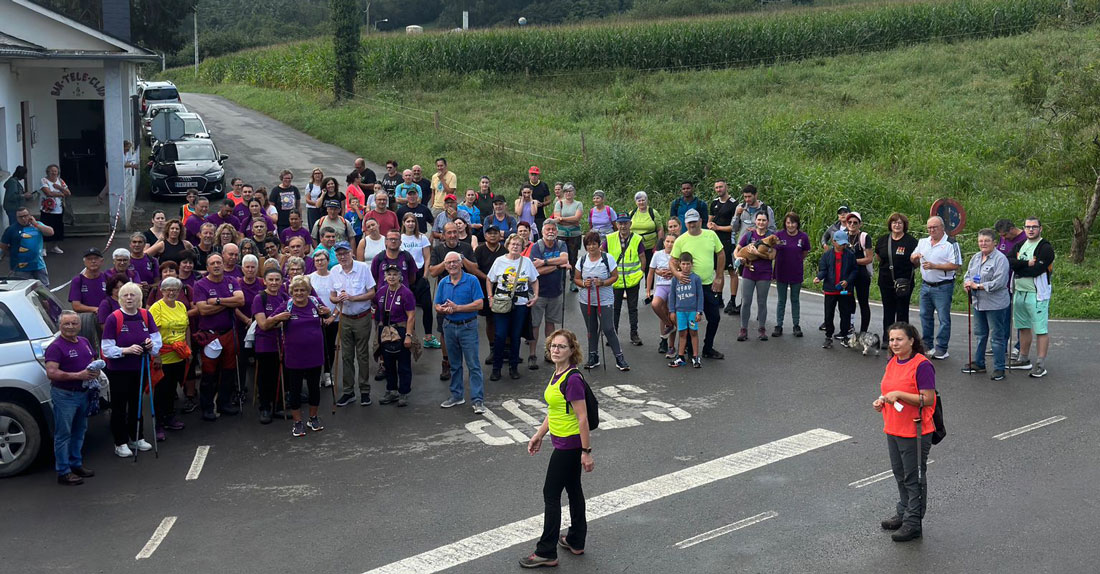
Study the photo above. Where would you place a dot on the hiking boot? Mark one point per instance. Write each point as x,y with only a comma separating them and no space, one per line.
158,431
971,368
730,306
777,331
69,479
593,361
364,400
736,310
635,340
314,424
82,472
533,363
174,423
712,354
828,343
662,347
1022,364
265,416
743,335
403,400
445,371
677,362
494,375
998,375
535,561
389,398
620,363
906,533
797,331
697,362
452,402
513,372
479,408
565,544
345,400
190,405
763,334
892,523
299,429
1037,372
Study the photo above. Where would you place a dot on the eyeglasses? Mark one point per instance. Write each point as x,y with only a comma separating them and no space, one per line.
559,347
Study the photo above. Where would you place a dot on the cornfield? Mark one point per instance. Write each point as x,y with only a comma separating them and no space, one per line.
671,45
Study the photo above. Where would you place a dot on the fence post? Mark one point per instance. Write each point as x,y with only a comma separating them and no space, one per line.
437,120
584,148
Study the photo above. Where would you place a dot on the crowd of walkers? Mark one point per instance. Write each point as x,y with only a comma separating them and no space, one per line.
287,291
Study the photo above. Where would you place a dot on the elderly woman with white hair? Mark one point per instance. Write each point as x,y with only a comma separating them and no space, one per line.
304,341
646,222
568,213
128,334
120,265
170,317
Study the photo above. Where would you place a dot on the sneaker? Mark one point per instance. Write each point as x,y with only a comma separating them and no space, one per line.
533,363
635,340
494,375
174,423
677,362
665,332
265,416
1020,364
844,342
299,429
57,250
389,398
729,307
364,400
940,355
403,400
973,368
158,431
671,354
777,331
697,362
620,363
763,334
315,425
1015,354
743,335
662,347
513,372
535,561
712,354
380,375
998,375
445,371
797,331
326,380
906,533
190,405
821,327
828,344
345,400
1037,372
892,523
69,479
479,408
141,444
452,402
593,361
123,451
565,544
736,310
430,342
209,416
229,410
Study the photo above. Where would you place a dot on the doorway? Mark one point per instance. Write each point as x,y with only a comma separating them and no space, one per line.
81,147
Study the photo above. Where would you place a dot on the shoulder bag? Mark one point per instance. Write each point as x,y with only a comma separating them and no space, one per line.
901,286
502,303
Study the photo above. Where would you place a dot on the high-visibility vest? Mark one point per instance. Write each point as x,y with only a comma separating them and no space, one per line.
630,265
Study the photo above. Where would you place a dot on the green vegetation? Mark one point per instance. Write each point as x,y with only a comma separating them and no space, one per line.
884,132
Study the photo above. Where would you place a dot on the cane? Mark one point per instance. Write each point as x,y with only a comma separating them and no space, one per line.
969,332
141,393
279,376
599,319
152,405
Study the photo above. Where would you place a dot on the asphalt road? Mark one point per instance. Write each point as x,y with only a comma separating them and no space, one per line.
380,485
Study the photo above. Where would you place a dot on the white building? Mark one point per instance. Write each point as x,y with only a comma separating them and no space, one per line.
68,96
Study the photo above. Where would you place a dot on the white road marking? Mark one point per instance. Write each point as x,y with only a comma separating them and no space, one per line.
505,426
158,536
60,287
1030,427
196,464
489,542
875,478
725,529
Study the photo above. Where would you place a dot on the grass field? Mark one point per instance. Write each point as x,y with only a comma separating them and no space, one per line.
882,132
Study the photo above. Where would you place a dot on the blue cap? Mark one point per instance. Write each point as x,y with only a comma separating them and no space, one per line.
841,237
341,245
623,218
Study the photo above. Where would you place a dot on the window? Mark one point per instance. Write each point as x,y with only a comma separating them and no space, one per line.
156,94
47,307
10,331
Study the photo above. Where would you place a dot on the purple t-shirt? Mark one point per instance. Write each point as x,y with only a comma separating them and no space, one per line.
404,261
240,211
246,225
790,252
268,341
574,391
926,374
90,292
399,303
130,274
305,337
133,331
235,273
1005,246
759,270
106,307
207,289
146,268
287,234
192,227
218,220
70,358
250,292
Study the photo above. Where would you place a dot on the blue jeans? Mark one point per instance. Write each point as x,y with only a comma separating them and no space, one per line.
462,346
987,322
508,325
70,414
1006,326
936,301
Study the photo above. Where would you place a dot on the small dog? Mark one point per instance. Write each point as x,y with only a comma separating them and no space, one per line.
760,249
865,342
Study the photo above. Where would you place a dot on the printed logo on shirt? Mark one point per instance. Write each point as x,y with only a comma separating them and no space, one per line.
286,200
73,353
899,251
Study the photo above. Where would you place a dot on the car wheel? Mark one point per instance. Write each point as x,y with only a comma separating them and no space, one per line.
20,439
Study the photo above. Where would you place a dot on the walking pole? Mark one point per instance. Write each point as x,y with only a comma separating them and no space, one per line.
279,376
237,364
599,317
922,480
564,276
152,406
336,358
969,330
141,393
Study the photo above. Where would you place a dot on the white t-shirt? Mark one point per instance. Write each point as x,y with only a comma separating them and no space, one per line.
272,212
324,286
52,204
372,247
661,261
506,270
598,270
313,191
415,246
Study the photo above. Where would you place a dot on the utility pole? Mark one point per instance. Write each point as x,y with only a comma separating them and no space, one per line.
196,21
368,18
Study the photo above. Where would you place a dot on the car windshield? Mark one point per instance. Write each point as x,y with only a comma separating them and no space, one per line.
161,94
193,126
47,307
188,152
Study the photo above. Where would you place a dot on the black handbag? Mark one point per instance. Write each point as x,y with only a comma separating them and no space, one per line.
903,286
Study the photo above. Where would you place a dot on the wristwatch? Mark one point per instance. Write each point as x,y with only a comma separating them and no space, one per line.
586,450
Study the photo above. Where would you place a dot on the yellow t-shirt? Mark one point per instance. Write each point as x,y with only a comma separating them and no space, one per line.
172,322
438,196
702,247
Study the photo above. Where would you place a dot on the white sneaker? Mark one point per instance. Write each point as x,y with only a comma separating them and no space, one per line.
141,445
326,380
57,250
123,451
43,252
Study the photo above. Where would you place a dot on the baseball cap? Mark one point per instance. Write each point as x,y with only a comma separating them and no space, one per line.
332,203
856,215
498,199
391,267
842,209
450,197
841,237
691,215
491,229
93,251
341,245
622,218
534,170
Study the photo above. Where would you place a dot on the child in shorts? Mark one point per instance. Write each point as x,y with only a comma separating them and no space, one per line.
658,287
685,306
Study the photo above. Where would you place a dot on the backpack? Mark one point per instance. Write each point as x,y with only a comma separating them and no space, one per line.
117,314
592,211
591,404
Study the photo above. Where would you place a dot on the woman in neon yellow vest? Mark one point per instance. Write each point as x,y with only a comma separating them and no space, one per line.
567,422
629,253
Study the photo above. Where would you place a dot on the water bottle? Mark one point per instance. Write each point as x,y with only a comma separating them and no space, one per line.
844,292
977,279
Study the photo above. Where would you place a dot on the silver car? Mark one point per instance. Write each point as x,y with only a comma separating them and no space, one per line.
29,316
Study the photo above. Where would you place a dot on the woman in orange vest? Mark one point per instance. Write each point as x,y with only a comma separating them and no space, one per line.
909,383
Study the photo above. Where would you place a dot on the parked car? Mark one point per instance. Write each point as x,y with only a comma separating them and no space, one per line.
192,163
29,316
152,112
151,93
171,125
193,126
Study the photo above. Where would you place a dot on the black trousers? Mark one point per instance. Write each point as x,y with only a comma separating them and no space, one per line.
563,472
165,392
847,305
862,287
422,293
903,461
311,378
124,406
894,309
712,310
267,379
631,307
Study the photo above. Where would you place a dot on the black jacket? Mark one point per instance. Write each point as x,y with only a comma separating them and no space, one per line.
826,270
1044,258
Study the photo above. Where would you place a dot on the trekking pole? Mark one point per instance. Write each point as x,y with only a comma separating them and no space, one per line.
336,359
564,277
922,481
969,331
152,407
141,393
279,375
237,364
599,319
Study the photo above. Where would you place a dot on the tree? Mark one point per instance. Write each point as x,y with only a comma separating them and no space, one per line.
345,23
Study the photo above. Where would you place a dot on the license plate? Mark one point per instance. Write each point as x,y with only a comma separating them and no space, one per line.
185,184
